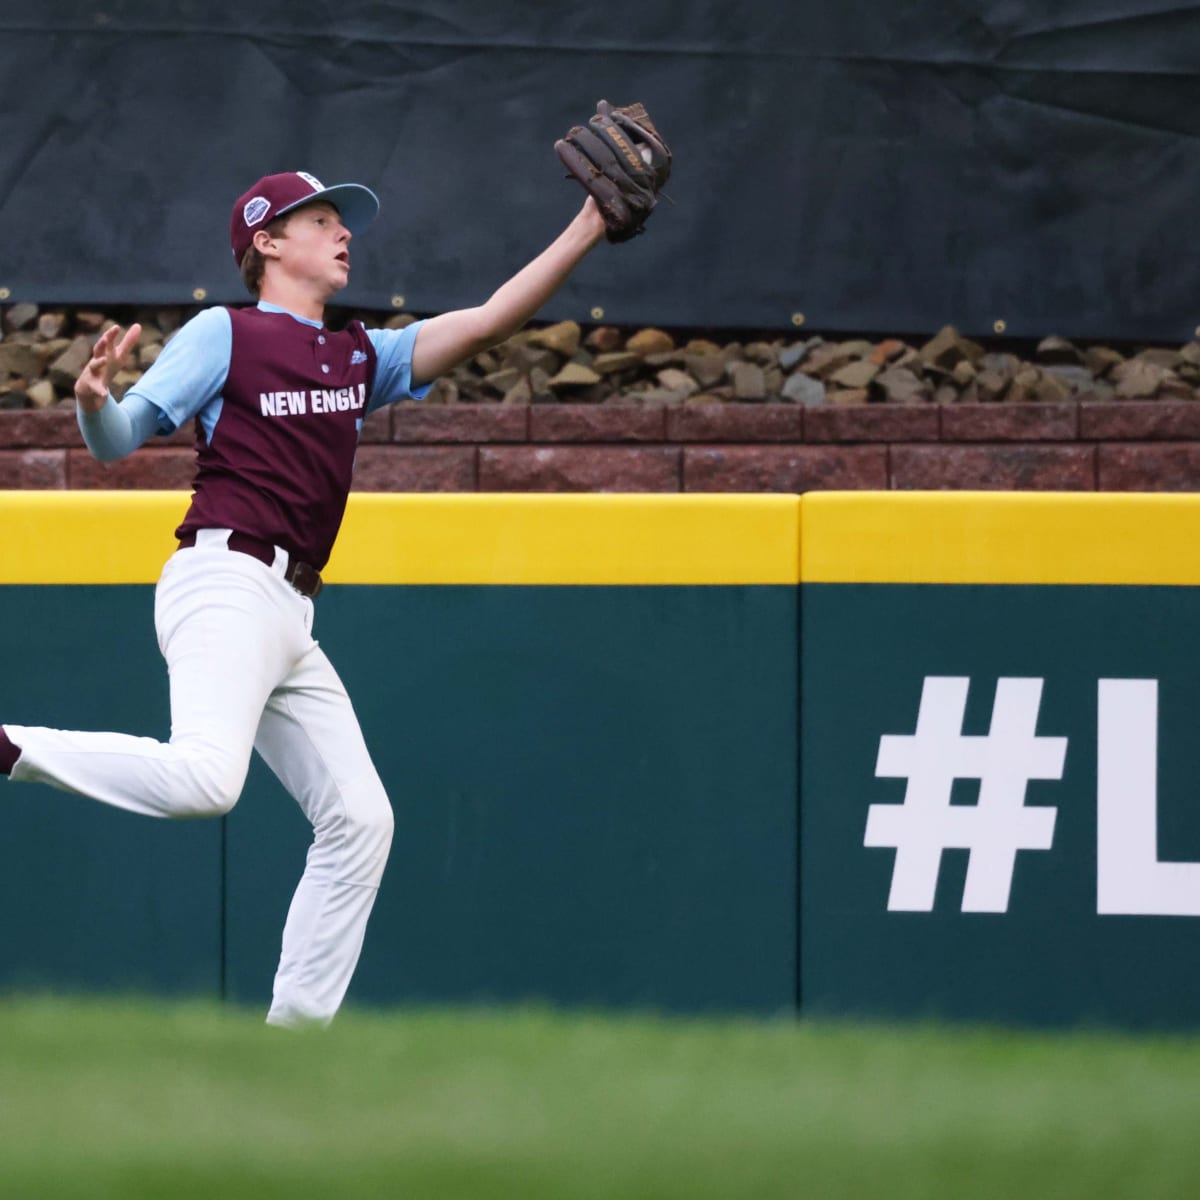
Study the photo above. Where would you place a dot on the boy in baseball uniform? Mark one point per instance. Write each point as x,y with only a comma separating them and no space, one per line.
278,401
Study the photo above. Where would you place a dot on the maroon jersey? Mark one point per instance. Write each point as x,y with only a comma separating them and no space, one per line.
279,462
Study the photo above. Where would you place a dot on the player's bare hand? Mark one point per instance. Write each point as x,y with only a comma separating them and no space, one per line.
109,355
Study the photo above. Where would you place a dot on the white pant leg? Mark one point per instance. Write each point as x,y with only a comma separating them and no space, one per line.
229,630
310,737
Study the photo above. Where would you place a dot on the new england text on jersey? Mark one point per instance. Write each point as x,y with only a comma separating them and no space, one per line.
317,400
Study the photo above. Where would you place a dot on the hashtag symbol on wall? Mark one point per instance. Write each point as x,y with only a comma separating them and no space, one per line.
992,830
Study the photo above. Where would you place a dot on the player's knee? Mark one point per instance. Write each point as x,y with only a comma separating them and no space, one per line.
367,825
382,821
212,789
373,823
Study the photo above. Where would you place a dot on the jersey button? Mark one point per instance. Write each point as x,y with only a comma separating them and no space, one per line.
321,339
325,368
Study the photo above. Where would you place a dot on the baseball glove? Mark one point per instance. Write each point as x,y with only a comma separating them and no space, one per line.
622,161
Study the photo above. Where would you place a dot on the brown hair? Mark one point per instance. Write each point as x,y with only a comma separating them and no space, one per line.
253,264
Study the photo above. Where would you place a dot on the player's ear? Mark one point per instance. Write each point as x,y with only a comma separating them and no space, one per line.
266,243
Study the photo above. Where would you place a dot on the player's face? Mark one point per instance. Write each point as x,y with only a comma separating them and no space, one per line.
315,248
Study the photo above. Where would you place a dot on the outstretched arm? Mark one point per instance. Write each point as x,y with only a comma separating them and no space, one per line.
448,339
189,373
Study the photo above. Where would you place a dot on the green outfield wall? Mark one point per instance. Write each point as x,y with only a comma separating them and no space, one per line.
583,709
902,755
1000,814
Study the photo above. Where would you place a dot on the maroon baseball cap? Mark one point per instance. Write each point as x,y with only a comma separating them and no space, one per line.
274,195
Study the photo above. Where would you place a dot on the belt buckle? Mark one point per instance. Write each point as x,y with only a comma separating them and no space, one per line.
305,579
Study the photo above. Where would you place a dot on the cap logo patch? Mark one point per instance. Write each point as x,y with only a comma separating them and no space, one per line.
256,209
312,181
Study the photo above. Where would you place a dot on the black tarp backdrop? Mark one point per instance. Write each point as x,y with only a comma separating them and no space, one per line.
872,165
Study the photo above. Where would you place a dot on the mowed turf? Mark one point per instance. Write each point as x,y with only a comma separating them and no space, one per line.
132,1099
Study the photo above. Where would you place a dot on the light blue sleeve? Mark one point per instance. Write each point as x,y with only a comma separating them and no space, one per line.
118,429
190,372
393,366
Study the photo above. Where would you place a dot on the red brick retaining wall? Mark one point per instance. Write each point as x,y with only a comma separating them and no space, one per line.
1076,446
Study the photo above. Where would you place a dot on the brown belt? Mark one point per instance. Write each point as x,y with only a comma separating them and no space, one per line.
304,578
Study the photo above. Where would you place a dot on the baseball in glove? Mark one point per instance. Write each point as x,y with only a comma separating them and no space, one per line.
622,161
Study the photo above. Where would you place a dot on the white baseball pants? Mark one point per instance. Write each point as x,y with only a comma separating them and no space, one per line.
245,674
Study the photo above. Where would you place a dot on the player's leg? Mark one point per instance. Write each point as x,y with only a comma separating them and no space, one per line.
310,737
228,637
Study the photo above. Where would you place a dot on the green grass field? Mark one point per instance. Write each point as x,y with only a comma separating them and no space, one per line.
134,1099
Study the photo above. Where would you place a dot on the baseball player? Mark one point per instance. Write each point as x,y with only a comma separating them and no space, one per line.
279,401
